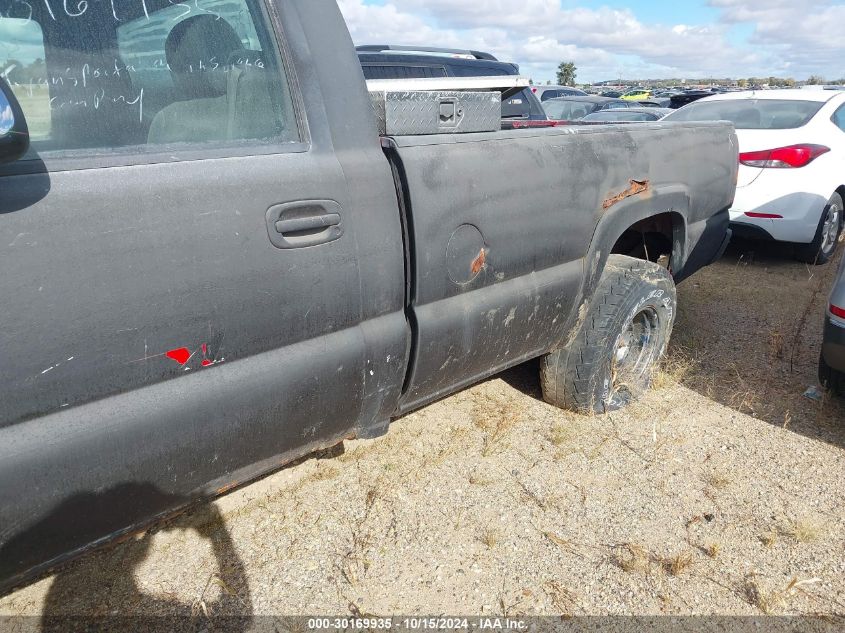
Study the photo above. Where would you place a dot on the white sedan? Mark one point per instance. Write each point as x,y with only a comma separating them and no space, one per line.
792,164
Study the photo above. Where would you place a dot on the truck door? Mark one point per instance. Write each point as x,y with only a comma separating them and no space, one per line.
192,291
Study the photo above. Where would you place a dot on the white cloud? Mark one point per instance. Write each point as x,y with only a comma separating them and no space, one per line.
803,37
606,43
7,120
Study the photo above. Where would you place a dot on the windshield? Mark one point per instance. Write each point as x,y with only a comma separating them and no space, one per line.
569,110
751,114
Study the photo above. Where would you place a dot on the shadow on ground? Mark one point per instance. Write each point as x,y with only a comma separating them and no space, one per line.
748,336
101,591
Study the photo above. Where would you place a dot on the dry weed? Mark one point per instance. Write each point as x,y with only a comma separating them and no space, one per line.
745,399
495,419
771,600
804,530
677,564
325,473
776,345
476,479
565,545
564,600
636,558
562,433
767,601
713,550
673,369
768,538
718,480
633,558
490,538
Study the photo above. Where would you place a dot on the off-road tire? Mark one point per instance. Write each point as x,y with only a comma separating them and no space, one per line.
587,375
832,380
823,247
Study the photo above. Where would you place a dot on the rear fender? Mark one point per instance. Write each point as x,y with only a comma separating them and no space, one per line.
625,213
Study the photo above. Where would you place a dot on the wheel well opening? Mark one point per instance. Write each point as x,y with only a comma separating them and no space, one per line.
651,239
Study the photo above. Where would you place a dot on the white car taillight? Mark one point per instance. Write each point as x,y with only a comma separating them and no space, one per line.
784,157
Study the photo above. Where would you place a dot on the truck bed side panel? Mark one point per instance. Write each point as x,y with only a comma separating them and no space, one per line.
511,230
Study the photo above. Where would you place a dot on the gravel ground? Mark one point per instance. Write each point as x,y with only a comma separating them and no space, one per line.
719,493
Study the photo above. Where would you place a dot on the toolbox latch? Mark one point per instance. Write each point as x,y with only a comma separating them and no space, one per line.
450,113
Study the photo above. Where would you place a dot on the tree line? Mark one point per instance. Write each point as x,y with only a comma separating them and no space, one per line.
16,72
567,72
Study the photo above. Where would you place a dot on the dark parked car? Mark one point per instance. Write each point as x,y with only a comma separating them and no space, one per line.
832,362
628,115
203,287
655,102
667,94
685,98
421,62
576,108
544,93
414,62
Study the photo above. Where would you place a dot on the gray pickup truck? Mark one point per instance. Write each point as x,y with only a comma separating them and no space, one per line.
212,263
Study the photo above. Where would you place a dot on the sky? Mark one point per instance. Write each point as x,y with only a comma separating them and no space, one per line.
613,39
20,40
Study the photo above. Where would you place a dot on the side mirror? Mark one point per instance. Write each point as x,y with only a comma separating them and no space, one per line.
14,133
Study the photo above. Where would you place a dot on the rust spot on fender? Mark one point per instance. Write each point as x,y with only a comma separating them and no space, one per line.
478,262
637,187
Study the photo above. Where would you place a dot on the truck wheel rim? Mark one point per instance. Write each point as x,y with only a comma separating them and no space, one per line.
635,353
830,229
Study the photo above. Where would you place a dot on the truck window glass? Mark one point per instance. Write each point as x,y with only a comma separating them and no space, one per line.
569,110
22,65
104,76
518,107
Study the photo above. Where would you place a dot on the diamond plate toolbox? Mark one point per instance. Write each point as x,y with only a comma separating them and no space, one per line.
414,113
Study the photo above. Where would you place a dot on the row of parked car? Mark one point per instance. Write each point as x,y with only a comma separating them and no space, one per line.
791,183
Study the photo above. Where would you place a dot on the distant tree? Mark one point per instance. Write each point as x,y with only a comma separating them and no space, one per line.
37,70
815,80
12,70
548,82
566,74
742,83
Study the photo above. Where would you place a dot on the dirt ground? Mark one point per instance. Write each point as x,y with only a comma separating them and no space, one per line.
719,493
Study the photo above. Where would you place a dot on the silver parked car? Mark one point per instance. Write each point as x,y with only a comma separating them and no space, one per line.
832,362
544,93
629,115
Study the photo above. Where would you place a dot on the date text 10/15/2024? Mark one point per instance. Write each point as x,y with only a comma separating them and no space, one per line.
417,624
